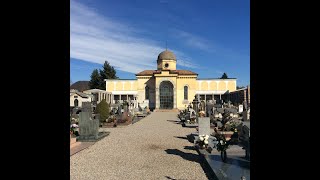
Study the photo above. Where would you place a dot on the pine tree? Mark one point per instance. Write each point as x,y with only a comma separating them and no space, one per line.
108,72
95,82
98,76
224,76
240,87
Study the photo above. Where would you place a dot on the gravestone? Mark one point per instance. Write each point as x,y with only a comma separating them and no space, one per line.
209,109
192,113
217,105
245,105
244,137
135,103
187,116
86,107
220,110
135,110
144,104
204,126
119,109
88,127
230,110
240,108
202,106
246,115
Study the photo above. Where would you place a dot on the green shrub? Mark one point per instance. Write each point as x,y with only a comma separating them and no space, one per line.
103,110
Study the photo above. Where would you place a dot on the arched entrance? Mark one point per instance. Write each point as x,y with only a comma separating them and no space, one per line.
166,95
76,103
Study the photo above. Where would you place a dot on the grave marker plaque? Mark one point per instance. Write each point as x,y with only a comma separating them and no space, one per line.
204,125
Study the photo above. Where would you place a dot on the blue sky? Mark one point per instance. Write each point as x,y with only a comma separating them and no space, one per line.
208,37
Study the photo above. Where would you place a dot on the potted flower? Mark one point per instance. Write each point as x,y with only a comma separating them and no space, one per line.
203,141
222,146
74,129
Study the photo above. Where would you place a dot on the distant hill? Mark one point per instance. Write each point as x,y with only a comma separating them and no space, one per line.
80,86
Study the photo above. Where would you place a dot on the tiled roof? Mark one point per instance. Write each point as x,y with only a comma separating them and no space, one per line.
146,73
151,72
83,95
183,72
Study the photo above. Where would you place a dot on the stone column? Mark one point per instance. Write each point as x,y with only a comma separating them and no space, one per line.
174,98
205,101
112,98
157,98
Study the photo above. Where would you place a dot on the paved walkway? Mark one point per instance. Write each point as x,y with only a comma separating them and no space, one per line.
153,148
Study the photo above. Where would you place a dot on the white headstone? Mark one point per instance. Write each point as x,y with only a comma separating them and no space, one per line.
240,108
144,104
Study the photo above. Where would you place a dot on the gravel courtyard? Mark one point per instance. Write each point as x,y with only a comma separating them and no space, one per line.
153,148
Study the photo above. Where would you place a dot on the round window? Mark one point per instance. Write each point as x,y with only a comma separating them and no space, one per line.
166,65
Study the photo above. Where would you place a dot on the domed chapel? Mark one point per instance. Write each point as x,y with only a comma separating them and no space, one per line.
166,87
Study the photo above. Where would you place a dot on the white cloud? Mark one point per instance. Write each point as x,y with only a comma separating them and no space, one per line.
193,40
95,38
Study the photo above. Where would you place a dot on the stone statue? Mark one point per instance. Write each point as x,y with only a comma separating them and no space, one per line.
202,106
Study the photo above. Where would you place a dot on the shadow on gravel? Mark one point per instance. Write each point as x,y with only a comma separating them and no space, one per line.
189,147
181,137
168,177
195,158
175,121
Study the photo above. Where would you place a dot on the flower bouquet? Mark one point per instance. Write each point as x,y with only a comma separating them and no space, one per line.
203,141
232,124
74,129
222,146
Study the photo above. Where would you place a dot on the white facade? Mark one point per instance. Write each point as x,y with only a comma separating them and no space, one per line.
77,97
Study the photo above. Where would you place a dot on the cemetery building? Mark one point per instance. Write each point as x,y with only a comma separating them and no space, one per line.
77,98
240,96
98,95
167,87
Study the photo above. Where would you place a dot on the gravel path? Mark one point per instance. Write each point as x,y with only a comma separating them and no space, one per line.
153,148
